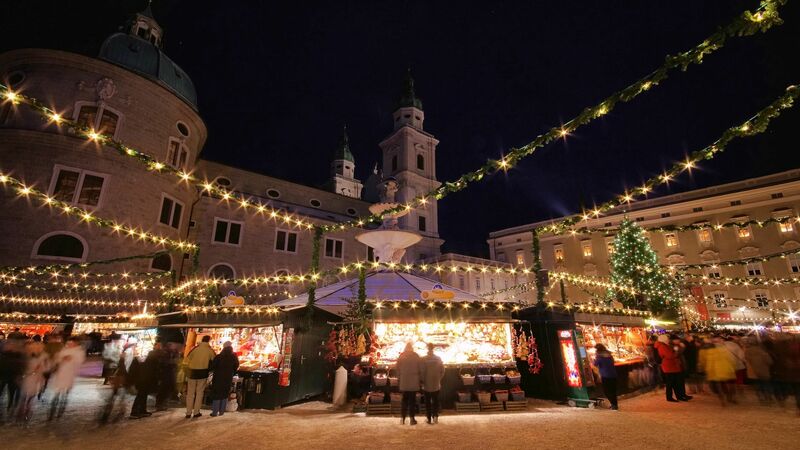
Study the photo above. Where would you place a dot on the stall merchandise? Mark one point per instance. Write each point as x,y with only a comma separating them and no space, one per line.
456,343
104,328
29,329
141,341
626,344
258,348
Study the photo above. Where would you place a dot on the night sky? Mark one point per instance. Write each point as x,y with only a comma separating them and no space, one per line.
276,81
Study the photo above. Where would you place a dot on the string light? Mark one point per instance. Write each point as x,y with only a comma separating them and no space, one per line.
78,301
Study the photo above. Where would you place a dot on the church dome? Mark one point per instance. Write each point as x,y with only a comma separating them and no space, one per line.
146,59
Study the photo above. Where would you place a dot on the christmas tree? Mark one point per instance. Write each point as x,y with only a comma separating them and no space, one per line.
634,264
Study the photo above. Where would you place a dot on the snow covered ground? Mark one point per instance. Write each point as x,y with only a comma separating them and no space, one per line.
646,420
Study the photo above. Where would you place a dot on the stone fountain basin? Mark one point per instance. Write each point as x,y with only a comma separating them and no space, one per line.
395,239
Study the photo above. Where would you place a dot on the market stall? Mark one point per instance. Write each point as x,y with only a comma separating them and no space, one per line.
105,329
30,329
279,355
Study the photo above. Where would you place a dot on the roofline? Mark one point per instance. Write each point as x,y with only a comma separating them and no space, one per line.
749,184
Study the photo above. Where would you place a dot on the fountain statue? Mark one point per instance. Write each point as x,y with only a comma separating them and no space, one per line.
389,243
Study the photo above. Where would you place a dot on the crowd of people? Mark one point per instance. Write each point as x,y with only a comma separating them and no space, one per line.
31,367
721,363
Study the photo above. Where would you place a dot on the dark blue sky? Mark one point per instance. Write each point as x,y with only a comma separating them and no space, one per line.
276,81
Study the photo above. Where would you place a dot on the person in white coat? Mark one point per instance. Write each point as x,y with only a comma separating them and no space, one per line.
68,362
36,364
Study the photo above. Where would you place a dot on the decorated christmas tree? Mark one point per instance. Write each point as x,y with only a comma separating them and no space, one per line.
634,264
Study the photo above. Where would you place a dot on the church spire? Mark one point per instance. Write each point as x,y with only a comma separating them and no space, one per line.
343,169
343,150
409,97
144,26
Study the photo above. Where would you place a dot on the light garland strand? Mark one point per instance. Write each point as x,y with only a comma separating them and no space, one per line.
25,283
738,262
63,301
751,127
25,316
746,24
65,208
61,269
742,281
705,225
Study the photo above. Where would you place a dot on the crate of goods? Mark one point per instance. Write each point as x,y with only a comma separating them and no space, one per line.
516,406
484,397
379,378
491,406
470,407
484,378
501,395
376,397
517,394
464,397
396,397
513,376
393,380
499,378
467,377
374,409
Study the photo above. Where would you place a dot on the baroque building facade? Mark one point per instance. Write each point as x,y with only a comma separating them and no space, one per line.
774,196
136,94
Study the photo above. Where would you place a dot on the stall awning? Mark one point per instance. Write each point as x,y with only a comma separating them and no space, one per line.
388,286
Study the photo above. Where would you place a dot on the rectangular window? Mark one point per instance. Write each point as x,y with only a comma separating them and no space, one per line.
762,299
99,119
777,195
671,240
394,163
719,300
77,186
704,236
477,285
461,282
794,263
754,269
697,209
87,116
333,248
177,154
501,257
665,215
610,245
736,203
558,254
640,219
786,227
520,257
286,241
422,226
586,248
171,211
227,231
713,272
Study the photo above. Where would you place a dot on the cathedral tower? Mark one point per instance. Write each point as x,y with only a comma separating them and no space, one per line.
343,170
409,155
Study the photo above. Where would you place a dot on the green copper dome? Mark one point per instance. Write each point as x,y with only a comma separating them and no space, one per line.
146,59
409,98
343,151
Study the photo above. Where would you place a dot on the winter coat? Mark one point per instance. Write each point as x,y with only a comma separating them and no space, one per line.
33,375
737,353
112,352
68,363
199,360
408,372
690,355
432,373
759,363
12,363
670,360
717,363
224,367
145,375
605,365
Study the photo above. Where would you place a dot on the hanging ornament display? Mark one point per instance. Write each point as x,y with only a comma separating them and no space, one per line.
535,363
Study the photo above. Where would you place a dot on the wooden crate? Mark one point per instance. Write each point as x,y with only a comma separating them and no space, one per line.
520,405
467,407
374,409
492,406
359,407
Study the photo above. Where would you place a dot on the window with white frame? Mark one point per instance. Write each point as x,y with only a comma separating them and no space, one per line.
586,249
786,218
558,254
227,231
754,269
610,245
333,248
171,211
720,299
177,154
743,232
713,271
477,285
520,257
100,118
491,284
762,298
704,235
794,263
786,226
462,282
77,186
671,240
285,241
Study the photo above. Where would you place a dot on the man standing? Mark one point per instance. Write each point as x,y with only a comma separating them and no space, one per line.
408,374
145,377
433,371
197,362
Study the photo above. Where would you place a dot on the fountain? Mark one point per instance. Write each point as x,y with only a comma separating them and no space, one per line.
389,243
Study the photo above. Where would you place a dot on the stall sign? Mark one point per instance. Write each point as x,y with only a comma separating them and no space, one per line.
437,293
286,368
232,300
571,369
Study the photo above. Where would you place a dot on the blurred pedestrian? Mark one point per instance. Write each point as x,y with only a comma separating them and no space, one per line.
167,376
224,367
198,363
731,343
119,382
759,369
16,334
12,365
432,369
408,380
718,365
67,363
604,362
690,355
145,377
36,364
111,356
672,369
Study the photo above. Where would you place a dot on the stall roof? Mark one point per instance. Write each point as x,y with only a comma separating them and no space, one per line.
389,286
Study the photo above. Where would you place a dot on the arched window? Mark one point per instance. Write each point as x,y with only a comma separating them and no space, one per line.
61,245
223,271
420,162
162,262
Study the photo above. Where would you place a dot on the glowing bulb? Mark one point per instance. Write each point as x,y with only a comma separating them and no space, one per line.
12,96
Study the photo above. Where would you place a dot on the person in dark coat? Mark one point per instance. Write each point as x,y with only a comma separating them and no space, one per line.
409,380
604,362
145,377
224,367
